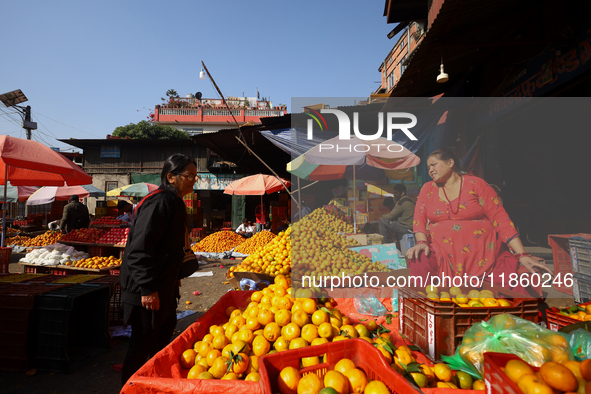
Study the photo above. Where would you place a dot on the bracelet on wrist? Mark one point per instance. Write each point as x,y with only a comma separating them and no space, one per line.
520,255
423,242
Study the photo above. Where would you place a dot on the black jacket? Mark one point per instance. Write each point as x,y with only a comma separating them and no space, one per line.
154,250
75,216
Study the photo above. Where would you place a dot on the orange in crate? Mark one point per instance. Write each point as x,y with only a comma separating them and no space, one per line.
364,356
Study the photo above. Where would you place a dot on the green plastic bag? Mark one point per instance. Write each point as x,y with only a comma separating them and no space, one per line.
580,342
510,334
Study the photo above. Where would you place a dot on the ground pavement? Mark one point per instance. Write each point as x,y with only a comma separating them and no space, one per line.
98,375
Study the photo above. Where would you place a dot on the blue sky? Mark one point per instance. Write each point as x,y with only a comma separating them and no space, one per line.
88,67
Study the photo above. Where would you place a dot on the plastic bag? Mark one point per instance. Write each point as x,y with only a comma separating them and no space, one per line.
510,334
369,305
580,342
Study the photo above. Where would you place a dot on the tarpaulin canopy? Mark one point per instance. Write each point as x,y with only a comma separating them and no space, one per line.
16,193
48,194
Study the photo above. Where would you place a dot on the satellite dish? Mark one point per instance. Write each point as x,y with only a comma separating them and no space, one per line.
198,95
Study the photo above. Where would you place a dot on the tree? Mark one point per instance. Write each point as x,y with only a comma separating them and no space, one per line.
151,131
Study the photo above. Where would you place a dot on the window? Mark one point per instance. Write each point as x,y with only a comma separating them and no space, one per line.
403,43
391,80
402,65
110,185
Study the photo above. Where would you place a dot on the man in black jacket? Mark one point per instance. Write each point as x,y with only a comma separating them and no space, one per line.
75,216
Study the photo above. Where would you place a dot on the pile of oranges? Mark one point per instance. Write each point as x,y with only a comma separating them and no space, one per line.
218,242
344,378
256,242
577,312
96,262
272,259
474,298
47,238
568,377
17,240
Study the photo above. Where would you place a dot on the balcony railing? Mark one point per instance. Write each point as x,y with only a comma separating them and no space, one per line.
179,111
261,113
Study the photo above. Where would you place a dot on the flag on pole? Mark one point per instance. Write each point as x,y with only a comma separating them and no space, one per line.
258,94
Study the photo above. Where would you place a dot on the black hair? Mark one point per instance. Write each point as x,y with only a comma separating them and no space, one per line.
175,164
400,187
74,198
445,154
389,202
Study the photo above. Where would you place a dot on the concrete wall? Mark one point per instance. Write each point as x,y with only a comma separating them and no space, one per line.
99,181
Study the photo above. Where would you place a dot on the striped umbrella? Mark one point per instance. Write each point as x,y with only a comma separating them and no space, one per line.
134,190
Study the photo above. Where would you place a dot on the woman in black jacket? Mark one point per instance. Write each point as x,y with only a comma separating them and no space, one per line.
150,269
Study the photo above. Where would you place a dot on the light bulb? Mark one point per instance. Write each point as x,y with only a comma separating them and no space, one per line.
202,74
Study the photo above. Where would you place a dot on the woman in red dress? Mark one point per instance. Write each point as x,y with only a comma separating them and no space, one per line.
462,228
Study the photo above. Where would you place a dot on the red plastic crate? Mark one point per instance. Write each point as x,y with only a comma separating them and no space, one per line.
37,270
365,356
556,321
62,271
561,257
437,328
5,259
495,379
114,271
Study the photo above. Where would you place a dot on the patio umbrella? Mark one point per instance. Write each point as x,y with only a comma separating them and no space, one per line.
255,185
30,163
336,158
141,189
49,194
17,193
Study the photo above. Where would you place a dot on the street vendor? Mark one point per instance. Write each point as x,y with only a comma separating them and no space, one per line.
125,210
399,218
246,229
461,227
260,214
151,266
75,215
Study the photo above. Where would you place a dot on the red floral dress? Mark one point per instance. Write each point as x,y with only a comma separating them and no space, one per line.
470,240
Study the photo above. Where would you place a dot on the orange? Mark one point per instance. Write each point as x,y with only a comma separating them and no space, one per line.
515,369
272,331
309,305
219,367
265,317
284,303
229,311
254,362
212,356
252,323
204,348
320,317
260,346
385,353
420,379
253,377
557,340
280,292
281,344
208,338
240,363
195,371
336,312
205,375
337,381
336,321
245,335
559,355
343,365
533,384
318,341
216,330
296,307
300,318
558,377
362,330
376,387
442,371
252,312
371,325
310,384
357,380
232,328
585,368
256,296
325,330
219,342
337,338
188,358
197,344
238,321
281,281
403,356
288,380
283,317
575,368
230,376
479,385
298,343
346,320
292,331
350,330
309,361
203,363
235,312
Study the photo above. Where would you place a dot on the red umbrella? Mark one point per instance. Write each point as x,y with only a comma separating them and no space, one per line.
256,185
30,163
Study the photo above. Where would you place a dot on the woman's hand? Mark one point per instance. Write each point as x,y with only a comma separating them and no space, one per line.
532,265
151,301
413,253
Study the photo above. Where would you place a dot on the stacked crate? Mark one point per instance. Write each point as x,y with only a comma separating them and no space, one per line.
193,206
